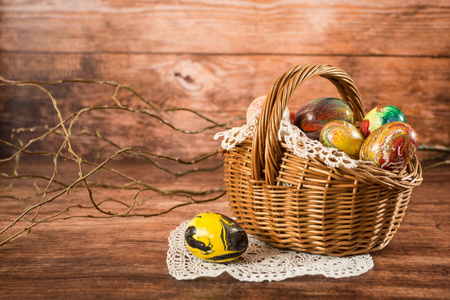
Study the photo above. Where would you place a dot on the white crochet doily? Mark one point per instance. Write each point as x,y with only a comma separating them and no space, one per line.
261,262
291,135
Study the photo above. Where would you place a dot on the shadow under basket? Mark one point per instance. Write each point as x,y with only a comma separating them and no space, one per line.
303,204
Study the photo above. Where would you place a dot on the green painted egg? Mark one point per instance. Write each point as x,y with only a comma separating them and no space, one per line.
215,238
379,116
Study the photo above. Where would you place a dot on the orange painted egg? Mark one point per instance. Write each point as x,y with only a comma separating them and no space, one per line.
314,115
343,136
391,146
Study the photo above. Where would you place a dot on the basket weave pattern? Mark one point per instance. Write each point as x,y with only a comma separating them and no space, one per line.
303,204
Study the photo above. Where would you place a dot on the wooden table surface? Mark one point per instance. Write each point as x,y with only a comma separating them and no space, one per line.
125,258
213,57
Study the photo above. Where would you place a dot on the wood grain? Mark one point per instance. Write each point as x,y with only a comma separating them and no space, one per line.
215,57
220,86
126,257
412,28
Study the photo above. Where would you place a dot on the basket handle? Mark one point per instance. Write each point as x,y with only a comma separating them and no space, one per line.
266,149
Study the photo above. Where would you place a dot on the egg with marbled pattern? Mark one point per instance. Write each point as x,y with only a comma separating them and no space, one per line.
391,146
379,116
215,237
343,136
314,115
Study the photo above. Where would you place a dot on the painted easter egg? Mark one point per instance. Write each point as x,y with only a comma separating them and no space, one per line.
391,146
216,238
342,135
314,115
256,107
379,116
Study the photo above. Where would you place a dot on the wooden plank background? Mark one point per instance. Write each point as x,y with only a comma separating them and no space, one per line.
125,258
216,56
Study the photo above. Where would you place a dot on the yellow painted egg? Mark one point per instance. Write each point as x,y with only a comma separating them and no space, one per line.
215,238
391,146
343,136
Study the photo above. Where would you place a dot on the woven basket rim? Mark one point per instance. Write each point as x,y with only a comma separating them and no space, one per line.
266,149
408,177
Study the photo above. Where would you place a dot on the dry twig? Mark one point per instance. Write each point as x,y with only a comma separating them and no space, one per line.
55,189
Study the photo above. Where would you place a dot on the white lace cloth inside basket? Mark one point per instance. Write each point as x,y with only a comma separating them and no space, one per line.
291,135
261,262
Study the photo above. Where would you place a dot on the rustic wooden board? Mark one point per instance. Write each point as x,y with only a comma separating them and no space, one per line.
214,57
412,27
126,257
220,86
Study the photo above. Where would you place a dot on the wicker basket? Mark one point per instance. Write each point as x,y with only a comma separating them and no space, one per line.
302,204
